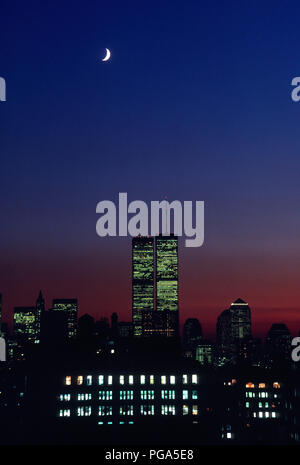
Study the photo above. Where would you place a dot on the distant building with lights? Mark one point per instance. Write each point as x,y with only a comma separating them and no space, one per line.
69,307
25,324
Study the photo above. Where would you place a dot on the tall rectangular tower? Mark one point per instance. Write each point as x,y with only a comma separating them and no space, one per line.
142,280
70,308
166,258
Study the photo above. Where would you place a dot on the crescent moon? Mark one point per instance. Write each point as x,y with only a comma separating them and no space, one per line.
107,56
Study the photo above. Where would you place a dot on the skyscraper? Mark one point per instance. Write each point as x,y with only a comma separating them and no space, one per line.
0,314
39,309
70,308
166,265
24,324
240,320
142,280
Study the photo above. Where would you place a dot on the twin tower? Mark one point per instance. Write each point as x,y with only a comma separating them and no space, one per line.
155,286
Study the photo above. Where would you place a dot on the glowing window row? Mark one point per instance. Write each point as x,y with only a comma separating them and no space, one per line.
265,415
128,395
107,410
131,379
276,385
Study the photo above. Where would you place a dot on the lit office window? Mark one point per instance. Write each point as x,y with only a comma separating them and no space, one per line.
194,379
260,414
184,379
168,394
151,379
262,386
273,414
185,394
79,380
163,379
65,397
276,385
147,410
126,395
247,405
130,379
126,410
266,404
172,379
185,410
110,379
254,414
122,379
100,380
228,435
267,414
259,405
168,409
105,410
142,379
147,395
68,380
194,395
195,410
105,395
65,413
89,380
250,386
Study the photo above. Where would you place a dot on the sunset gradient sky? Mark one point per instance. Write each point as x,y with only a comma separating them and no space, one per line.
194,104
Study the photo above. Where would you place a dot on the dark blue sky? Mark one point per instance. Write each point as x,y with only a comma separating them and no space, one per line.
194,104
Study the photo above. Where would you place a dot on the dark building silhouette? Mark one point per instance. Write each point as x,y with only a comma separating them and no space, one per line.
86,326
114,326
70,308
278,343
39,310
54,328
192,333
224,337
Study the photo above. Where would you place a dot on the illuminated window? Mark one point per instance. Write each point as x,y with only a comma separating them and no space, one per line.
228,435
185,410
79,380
184,379
126,395
254,414
260,414
276,385
100,380
259,404
185,394
89,380
267,404
143,379
130,379
105,395
195,410
65,413
65,397
147,410
147,395
247,404
194,379
163,380
172,379
126,410
105,410
110,379
68,380
194,395
122,379
262,386
84,411
151,379
168,394
87,396
250,386
267,414
168,409
273,414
